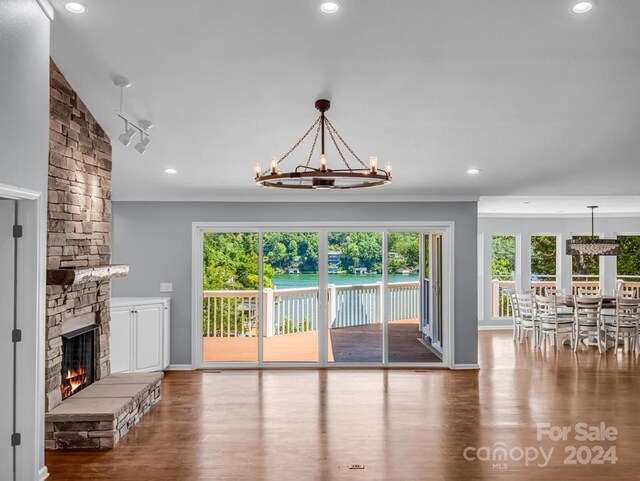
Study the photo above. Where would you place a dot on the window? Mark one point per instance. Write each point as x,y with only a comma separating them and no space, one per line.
628,263
543,263
503,273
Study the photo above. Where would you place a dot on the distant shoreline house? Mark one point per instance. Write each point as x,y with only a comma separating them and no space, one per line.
334,260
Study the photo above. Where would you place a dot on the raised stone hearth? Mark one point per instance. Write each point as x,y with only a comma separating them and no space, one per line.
103,413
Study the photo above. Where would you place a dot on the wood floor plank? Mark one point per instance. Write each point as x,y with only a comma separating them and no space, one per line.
400,424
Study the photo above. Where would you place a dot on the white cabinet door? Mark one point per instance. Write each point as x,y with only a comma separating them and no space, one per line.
120,339
148,337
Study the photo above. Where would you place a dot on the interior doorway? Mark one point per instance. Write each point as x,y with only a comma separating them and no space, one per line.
22,335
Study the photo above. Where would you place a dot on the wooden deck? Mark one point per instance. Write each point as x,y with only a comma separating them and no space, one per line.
346,344
281,425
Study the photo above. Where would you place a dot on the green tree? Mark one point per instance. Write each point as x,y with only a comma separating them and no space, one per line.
503,256
543,255
628,262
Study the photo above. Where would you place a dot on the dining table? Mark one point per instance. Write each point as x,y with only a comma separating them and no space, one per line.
608,302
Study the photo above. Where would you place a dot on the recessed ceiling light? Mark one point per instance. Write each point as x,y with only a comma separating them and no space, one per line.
75,7
527,202
582,7
473,171
170,171
330,7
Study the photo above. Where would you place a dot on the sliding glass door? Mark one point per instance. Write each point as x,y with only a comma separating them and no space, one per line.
354,265
320,297
230,297
290,297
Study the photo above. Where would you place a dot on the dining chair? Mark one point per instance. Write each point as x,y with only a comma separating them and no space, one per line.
589,292
550,323
528,322
554,291
587,312
515,313
625,293
625,324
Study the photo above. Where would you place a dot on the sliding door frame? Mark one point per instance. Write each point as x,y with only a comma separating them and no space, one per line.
323,228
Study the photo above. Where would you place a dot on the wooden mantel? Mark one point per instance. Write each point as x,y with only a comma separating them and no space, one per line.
79,275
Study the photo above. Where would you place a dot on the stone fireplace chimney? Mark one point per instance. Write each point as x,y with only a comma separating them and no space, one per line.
79,232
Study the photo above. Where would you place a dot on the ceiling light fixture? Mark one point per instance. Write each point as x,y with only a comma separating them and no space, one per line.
131,127
322,177
74,7
593,246
582,7
144,141
126,137
330,8
170,171
473,171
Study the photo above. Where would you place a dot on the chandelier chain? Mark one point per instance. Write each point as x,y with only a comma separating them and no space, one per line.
313,146
345,144
299,141
329,129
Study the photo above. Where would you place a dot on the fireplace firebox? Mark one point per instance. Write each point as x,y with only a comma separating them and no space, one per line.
78,360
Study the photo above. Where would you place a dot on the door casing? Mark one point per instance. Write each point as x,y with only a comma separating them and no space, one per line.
444,228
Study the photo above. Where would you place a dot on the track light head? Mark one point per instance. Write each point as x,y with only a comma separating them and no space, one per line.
142,145
126,137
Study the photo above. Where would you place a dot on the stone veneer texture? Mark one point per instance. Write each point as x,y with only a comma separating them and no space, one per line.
79,225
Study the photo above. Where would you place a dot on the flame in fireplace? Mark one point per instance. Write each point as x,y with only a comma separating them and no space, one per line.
73,380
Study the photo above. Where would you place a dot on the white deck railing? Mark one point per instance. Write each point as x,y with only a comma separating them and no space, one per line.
286,311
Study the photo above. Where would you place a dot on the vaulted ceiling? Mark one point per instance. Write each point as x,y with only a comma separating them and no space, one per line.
545,102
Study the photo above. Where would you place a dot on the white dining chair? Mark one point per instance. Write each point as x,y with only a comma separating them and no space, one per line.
625,324
587,311
551,323
515,313
528,322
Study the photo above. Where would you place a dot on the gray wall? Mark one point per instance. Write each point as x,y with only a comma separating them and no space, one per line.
155,239
525,227
24,150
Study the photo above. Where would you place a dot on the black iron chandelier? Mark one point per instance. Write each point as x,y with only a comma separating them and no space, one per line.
322,177
593,246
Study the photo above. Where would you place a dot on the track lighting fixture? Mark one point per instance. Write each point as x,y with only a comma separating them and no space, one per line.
126,137
142,145
131,127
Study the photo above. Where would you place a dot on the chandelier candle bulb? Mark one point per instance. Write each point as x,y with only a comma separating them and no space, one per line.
387,169
274,165
258,169
323,162
373,164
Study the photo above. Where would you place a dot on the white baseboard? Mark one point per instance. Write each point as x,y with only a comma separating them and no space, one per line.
495,328
180,367
466,366
43,473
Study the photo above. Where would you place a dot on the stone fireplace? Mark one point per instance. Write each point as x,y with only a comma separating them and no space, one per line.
79,230
85,406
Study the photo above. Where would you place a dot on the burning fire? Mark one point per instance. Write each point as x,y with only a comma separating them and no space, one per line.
74,379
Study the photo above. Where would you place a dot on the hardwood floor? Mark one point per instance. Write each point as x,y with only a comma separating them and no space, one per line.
400,424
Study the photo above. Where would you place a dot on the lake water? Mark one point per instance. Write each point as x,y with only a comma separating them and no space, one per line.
291,281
